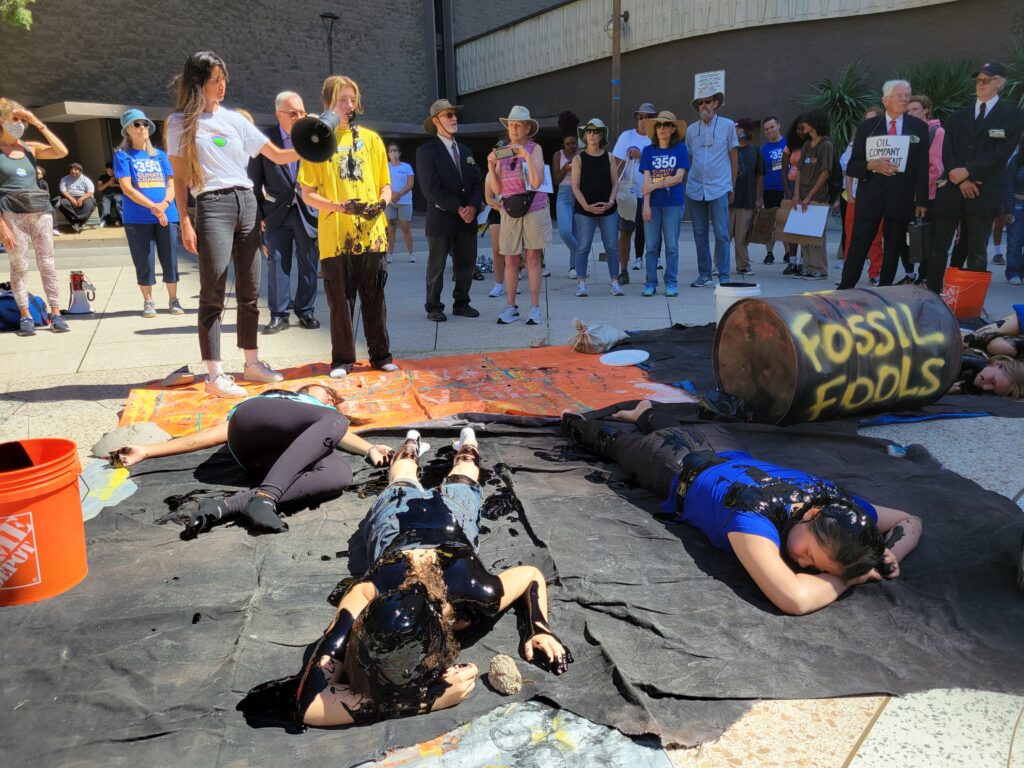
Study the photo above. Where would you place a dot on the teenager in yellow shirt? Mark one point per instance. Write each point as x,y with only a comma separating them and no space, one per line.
351,190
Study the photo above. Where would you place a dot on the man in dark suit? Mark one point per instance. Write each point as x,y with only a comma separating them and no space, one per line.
884,192
288,224
450,181
979,140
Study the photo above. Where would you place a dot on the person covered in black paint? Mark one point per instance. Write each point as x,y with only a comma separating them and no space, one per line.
391,649
993,358
286,443
802,539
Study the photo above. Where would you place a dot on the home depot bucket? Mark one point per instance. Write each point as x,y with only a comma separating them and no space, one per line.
727,294
964,291
42,536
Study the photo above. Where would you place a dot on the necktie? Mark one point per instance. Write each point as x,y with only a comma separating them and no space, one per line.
892,127
455,157
981,114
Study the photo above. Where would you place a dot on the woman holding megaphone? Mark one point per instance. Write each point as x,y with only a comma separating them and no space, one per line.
209,150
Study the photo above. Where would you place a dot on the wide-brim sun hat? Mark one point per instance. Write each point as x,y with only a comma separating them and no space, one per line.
594,122
521,115
131,116
716,95
436,109
663,117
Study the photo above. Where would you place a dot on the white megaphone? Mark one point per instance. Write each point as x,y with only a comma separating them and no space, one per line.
83,293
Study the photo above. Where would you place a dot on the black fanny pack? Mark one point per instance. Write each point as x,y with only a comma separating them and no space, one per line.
517,206
25,201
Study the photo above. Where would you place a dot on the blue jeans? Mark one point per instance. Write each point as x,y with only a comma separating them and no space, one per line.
664,225
718,213
143,239
382,525
283,243
609,226
1015,242
564,206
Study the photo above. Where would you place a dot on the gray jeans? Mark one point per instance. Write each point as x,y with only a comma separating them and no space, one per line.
227,233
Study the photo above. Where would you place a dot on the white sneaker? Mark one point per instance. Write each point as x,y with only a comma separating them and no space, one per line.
572,274
261,372
617,289
545,272
421,447
497,291
535,317
467,435
412,259
509,315
339,373
581,290
638,263
224,386
389,368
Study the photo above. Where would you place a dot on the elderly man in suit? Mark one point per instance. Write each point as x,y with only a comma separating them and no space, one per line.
288,224
886,193
979,140
450,181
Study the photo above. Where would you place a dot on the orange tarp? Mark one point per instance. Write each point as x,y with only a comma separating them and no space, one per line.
534,382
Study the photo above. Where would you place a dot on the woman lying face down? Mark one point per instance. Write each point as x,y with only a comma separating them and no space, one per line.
802,539
392,647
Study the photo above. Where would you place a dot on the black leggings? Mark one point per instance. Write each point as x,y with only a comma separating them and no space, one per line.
288,450
651,451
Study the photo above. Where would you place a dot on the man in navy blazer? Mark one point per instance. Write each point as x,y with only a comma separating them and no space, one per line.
979,141
883,191
289,226
450,181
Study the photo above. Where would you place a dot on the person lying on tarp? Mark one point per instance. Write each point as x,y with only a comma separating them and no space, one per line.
802,539
391,649
286,443
993,358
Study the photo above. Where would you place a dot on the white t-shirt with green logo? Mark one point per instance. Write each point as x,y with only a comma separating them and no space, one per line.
225,141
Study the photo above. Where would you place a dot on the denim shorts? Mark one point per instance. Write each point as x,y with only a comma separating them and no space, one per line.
382,524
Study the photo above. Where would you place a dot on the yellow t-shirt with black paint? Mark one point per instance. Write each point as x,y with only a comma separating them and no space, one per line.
357,171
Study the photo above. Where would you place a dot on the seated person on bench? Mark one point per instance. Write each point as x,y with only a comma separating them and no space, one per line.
801,538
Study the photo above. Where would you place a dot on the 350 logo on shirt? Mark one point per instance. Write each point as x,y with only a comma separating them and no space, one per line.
664,162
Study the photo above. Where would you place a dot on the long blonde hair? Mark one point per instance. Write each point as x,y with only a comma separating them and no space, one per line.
7,107
190,102
332,88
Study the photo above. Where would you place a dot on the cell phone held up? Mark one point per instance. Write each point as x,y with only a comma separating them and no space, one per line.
502,150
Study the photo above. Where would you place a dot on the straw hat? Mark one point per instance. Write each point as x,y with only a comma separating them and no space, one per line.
522,115
436,109
664,117
594,122
716,95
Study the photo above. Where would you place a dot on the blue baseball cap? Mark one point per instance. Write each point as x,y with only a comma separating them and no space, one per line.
131,116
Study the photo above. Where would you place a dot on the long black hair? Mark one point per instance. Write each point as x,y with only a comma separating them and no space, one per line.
848,535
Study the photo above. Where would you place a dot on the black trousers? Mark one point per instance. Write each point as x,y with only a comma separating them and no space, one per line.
974,228
364,275
865,227
288,450
76,215
462,244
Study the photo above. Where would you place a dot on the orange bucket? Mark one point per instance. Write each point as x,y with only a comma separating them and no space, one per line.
42,536
964,292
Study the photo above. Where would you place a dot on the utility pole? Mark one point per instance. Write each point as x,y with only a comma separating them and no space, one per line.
616,64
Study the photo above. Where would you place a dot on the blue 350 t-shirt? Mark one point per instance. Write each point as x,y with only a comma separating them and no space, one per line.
149,175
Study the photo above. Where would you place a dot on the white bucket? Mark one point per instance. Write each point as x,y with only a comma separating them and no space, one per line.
727,294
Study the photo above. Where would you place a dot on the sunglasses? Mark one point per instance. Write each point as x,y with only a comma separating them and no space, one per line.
664,125
140,124
982,80
701,102
594,130
448,115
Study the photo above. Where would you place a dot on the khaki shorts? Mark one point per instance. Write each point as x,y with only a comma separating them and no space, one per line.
530,232
401,212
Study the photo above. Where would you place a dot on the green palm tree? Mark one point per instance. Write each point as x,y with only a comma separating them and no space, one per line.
946,82
1015,70
844,99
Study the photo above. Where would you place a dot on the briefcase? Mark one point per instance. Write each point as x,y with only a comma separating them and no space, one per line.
919,239
762,226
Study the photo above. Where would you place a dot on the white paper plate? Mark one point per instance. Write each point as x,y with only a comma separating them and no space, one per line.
625,357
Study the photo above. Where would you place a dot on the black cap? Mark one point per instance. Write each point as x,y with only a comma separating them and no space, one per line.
992,69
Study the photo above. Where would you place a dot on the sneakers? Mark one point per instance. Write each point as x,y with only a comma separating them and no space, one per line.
769,258
746,272
467,435
509,315
149,309
545,272
814,276
388,368
224,386
497,291
649,289
412,436
798,271
701,282
637,263
581,290
998,259
260,372
790,269
873,281
572,273
412,259
1015,281
671,290
58,324
623,277
175,308
338,373
617,289
535,317
26,327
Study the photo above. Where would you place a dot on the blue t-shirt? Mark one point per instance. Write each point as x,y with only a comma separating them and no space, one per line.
772,153
743,495
149,175
399,178
663,163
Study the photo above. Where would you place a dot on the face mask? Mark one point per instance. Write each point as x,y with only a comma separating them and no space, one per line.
16,130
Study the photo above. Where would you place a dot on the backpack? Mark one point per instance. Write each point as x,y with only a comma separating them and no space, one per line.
10,316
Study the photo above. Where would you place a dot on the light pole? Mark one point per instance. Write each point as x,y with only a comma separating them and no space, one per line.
614,30
328,19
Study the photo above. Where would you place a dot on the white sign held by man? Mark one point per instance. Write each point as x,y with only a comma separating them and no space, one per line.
895,149
708,83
